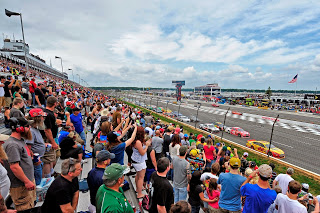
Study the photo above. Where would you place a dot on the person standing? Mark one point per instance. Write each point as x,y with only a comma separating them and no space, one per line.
76,119
20,167
258,196
7,90
63,193
230,197
157,144
39,95
110,196
163,197
283,180
116,119
94,179
181,170
2,99
32,88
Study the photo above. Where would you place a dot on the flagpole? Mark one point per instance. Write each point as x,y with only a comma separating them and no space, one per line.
295,92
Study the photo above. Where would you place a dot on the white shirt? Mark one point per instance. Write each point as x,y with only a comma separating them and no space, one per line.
208,175
283,180
1,91
286,205
150,131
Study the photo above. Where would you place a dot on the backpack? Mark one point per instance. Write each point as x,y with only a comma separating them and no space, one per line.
147,199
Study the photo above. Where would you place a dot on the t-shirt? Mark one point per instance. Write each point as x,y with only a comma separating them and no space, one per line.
40,95
17,152
25,85
206,176
109,200
50,122
114,118
1,91
194,198
213,195
14,112
119,153
37,142
209,152
32,86
196,164
77,122
94,182
162,192
287,205
180,172
66,145
166,142
59,193
157,143
62,135
230,198
283,180
6,89
257,198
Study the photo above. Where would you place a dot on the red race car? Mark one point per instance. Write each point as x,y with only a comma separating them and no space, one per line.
236,113
239,132
215,105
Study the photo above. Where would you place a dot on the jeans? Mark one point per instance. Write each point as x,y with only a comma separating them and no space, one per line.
33,99
195,209
180,194
37,173
83,137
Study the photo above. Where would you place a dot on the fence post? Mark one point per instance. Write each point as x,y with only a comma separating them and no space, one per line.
272,134
195,123
224,123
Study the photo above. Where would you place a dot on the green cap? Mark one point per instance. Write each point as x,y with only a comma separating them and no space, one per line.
224,148
115,171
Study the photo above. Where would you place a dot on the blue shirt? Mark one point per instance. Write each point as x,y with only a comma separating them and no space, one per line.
77,122
230,198
118,151
94,180
62,135
143,122
257,198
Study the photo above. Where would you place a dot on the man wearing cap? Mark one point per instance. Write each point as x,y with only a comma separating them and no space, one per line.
36,144
63,193
157,143
258,196
283,180
181,174
39,95
20,170
95,175
110,196
230,197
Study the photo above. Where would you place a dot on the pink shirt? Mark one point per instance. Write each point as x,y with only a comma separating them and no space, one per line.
213,195
209,151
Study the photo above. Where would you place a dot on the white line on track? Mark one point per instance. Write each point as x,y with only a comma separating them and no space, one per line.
284,126
282,144
298,128
261,121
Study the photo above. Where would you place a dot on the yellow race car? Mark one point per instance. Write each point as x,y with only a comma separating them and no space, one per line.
263,146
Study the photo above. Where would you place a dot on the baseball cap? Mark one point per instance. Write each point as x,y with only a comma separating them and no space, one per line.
290,171
305,186
186,135
112,136
193,152
218,144
115,171
37,112
177,131
158,127
265,170
253,164
63,93
104,155
4,137
235,162
245,154
318,197
224,148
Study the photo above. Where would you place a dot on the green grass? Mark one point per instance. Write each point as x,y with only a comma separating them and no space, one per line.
302,178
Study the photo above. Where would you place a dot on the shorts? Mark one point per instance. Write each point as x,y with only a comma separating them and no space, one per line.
8,101
221,210
49,157
29,96
2,101
148,174
139,166
25,96
212,210
22,198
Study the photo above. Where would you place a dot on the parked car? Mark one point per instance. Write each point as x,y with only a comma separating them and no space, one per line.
183,118
239,132
209,127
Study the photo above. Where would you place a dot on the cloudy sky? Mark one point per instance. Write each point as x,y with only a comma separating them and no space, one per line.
238,44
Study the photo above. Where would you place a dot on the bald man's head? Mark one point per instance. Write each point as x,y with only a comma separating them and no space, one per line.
157,133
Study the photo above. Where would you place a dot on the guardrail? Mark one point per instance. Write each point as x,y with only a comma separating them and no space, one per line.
305,172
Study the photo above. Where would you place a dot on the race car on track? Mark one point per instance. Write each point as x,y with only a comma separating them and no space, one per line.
236,113
215,105
219,125
263,146
209,127
239,132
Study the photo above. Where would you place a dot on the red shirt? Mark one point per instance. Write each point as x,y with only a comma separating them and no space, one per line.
32,87
209,151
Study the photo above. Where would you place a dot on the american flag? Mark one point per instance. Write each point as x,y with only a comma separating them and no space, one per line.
295,78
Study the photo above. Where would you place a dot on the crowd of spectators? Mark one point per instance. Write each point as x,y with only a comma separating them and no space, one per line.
174,171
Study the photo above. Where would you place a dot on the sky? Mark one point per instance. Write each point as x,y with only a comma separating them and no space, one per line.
237,44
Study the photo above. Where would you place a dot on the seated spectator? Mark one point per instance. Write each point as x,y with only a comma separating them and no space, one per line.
4,179
258,196
69,148
15,110
94,179
110,196
63,194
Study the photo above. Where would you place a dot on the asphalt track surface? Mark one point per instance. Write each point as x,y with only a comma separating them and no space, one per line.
297,134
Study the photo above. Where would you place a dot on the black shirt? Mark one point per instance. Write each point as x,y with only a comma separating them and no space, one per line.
162,194
66,145
50,122
59,193
149,160
166,142
6,89
194,198
40,95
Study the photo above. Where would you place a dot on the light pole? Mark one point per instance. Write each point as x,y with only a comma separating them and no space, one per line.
179,108
224,123
157,103
195,124
150,101
79,78
57,57
167,106
9,14
72,74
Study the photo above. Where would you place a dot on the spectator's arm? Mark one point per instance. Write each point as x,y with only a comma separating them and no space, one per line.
67,208
161,209
75,200
49,135
124,132
10,85
133,136
68,118
253,174
1,85
18,172
37,100
153,159
274,183
236,153
201,195
316,205
139,147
